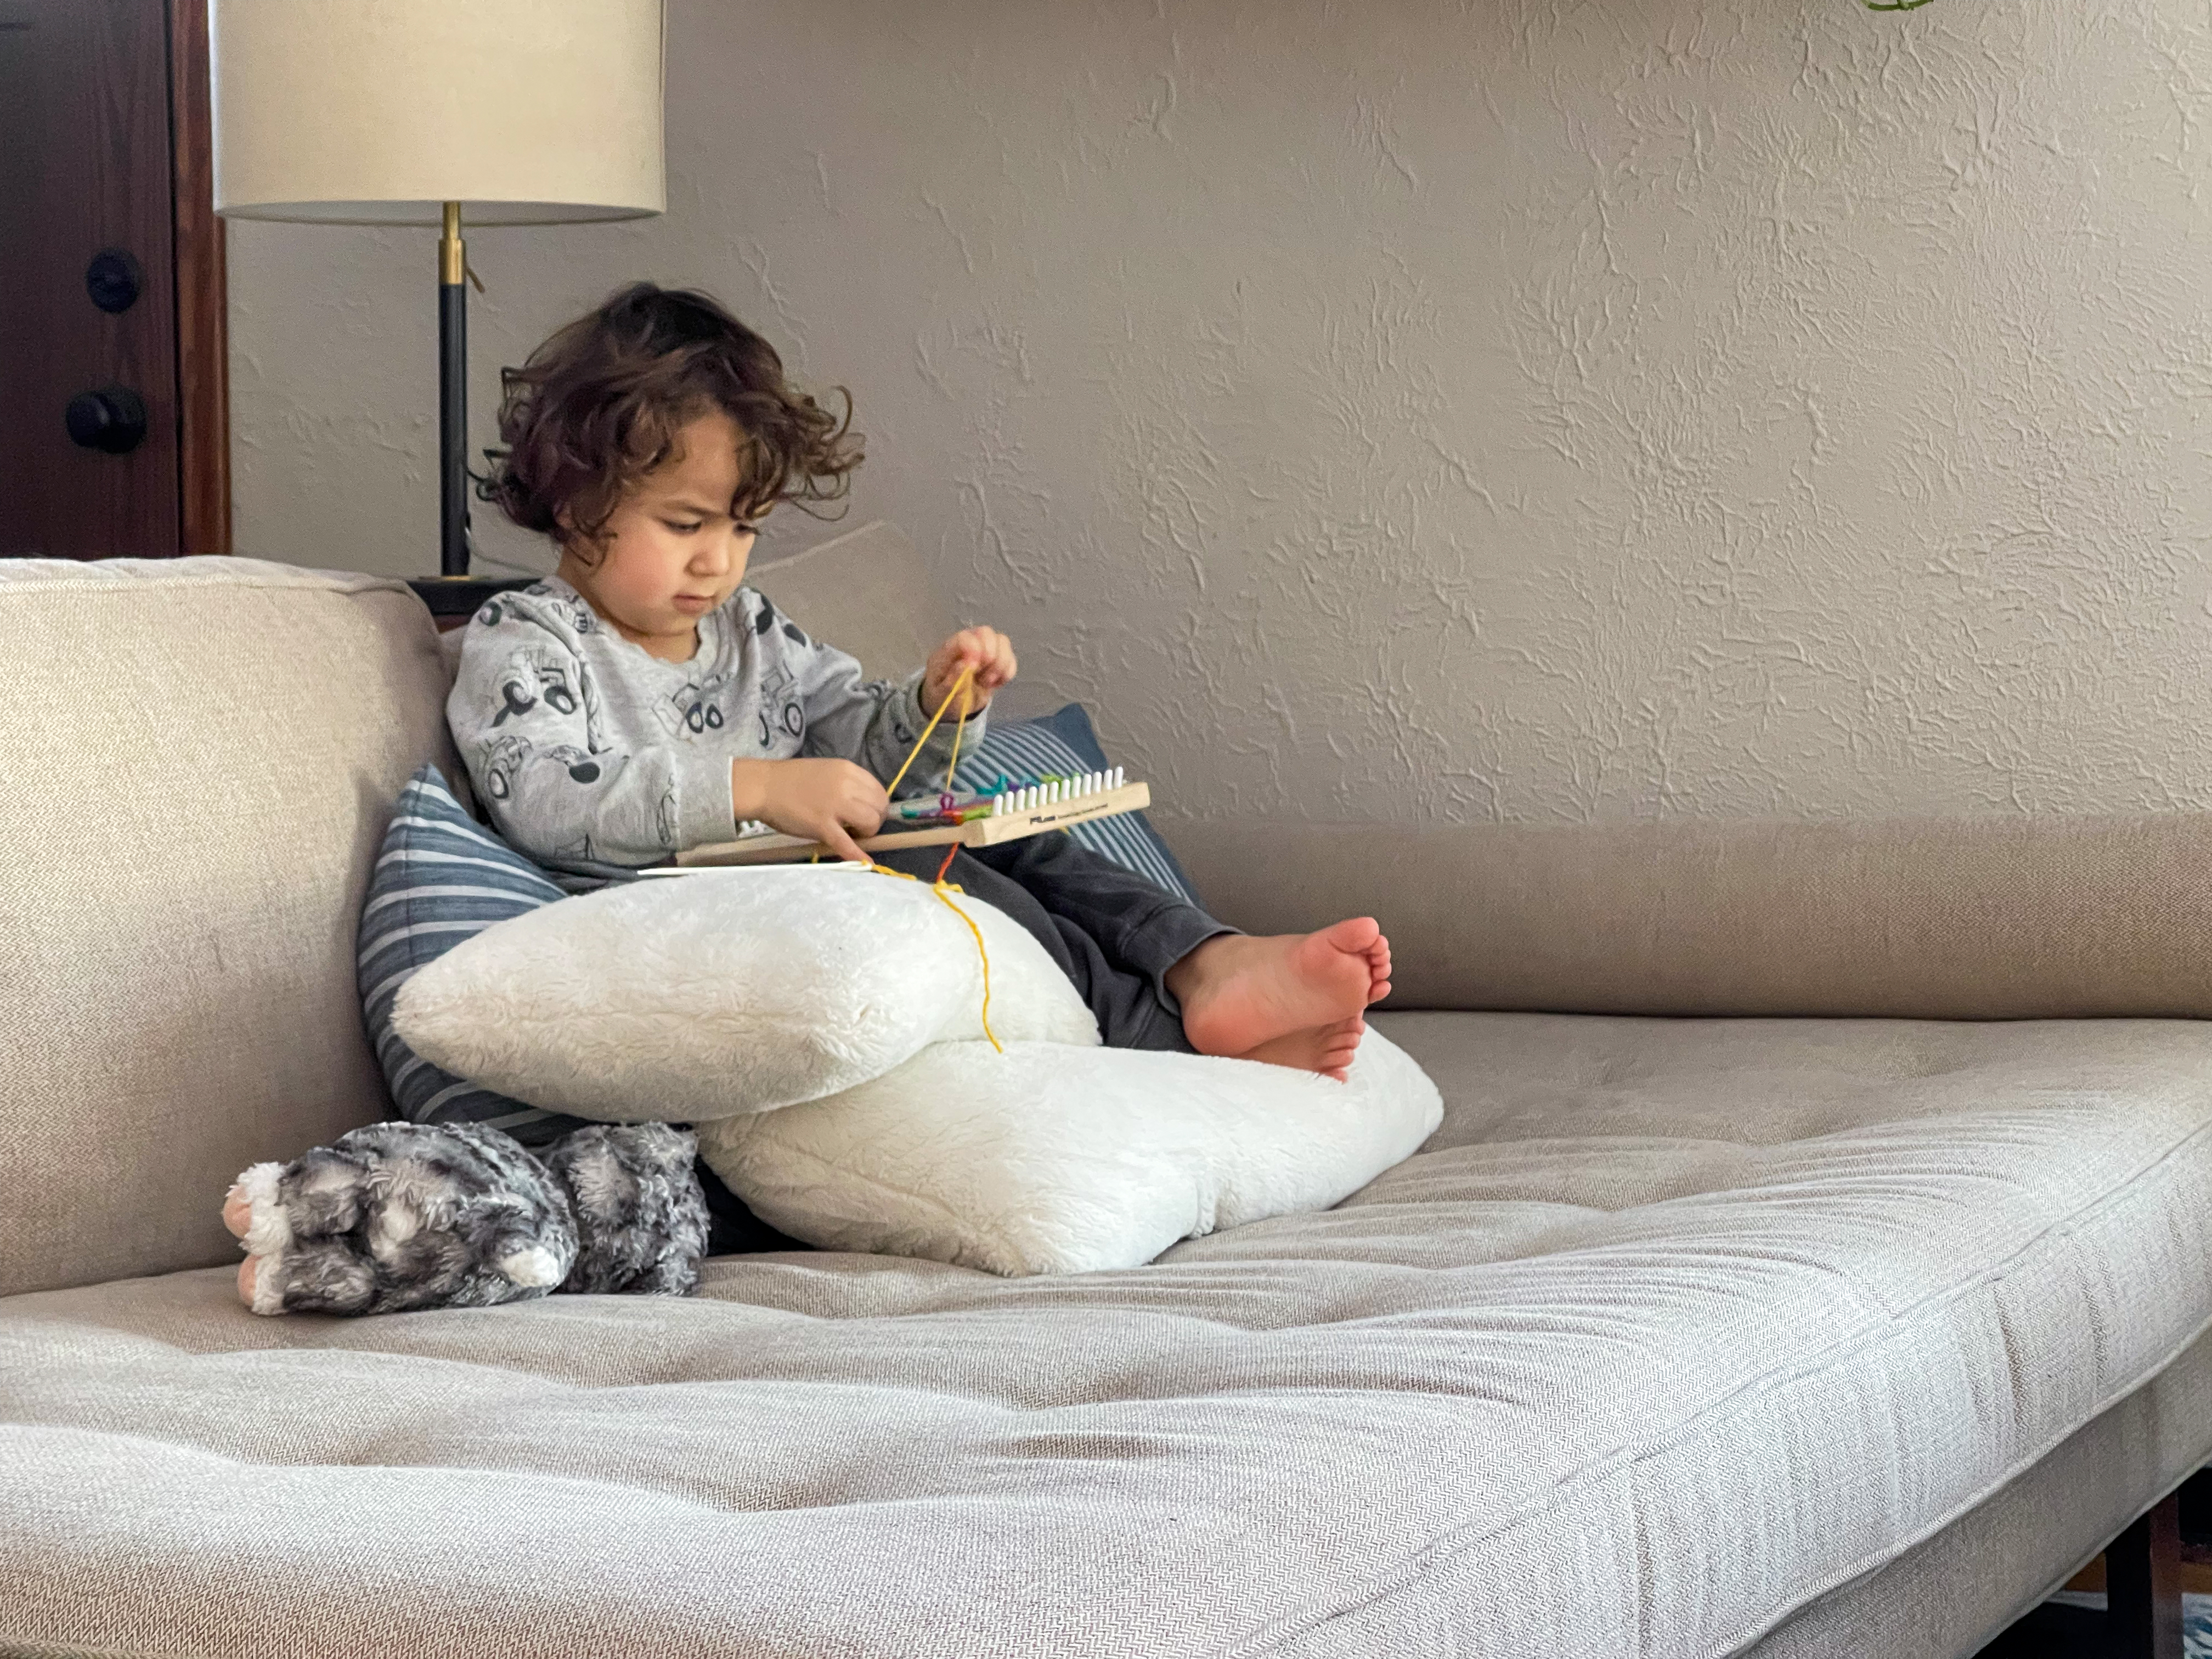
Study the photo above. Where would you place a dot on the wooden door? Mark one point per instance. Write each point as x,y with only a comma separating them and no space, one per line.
114,429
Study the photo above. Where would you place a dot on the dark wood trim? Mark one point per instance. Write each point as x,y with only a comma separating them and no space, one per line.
2142,1586
203,327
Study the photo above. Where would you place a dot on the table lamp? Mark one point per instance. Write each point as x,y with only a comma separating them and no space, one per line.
440,112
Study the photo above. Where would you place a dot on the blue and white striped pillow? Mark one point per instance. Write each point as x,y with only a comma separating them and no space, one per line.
1058,745
441,878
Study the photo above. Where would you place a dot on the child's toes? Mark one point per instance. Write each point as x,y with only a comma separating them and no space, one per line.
1339,1043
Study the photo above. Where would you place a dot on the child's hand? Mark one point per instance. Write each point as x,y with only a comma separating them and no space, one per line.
826,800
986,650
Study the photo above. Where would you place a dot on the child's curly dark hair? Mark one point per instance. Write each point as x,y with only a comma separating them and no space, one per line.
598,406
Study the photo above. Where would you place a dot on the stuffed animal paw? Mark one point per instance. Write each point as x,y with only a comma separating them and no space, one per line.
396,1217
641,1221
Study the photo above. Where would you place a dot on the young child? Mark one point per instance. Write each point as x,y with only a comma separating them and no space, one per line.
641,701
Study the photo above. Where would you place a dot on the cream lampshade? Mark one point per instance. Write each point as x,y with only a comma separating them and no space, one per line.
437,112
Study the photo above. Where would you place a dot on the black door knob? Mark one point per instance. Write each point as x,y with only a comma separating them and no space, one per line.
114,279
113,419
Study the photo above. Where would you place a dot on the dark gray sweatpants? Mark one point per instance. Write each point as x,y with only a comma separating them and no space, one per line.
1114,934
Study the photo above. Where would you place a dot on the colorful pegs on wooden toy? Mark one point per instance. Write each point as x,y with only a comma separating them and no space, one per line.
962,819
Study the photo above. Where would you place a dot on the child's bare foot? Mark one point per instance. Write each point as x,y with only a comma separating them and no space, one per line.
1238,993
1325,1049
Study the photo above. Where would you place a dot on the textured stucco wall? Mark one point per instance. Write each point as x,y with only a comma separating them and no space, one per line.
1518,410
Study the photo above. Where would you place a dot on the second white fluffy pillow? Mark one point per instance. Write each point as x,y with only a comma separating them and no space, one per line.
691,998
1057,1160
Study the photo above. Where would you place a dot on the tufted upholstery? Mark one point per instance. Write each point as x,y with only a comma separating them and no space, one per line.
1672,1326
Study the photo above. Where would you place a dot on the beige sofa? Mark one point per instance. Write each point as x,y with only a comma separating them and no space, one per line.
1848,1328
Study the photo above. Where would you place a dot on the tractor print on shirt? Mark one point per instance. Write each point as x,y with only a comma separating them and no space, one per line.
695,709
767,617
534,675
501,764
579,766
504,762
781,714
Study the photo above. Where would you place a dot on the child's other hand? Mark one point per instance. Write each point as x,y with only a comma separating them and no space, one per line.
986,650
826,800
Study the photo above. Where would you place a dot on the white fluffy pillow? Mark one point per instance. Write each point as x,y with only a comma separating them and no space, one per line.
691,998
1051,1159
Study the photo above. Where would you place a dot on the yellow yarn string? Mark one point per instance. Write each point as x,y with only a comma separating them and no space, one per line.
960,726
958,686
942,888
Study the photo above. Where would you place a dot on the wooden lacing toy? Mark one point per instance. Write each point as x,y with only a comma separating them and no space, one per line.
1008,811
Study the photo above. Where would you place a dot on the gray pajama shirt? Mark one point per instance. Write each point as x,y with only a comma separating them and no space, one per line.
590,752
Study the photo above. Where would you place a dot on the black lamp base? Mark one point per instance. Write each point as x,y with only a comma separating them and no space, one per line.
453,398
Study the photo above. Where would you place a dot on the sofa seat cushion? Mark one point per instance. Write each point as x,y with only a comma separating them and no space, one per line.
1671,1327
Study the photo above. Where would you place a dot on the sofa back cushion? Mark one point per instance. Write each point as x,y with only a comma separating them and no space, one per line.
2042,917
867,592
200,758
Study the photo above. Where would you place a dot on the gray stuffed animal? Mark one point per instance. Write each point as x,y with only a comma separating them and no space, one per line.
402,1216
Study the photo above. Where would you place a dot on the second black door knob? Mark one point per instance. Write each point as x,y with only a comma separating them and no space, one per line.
113,419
